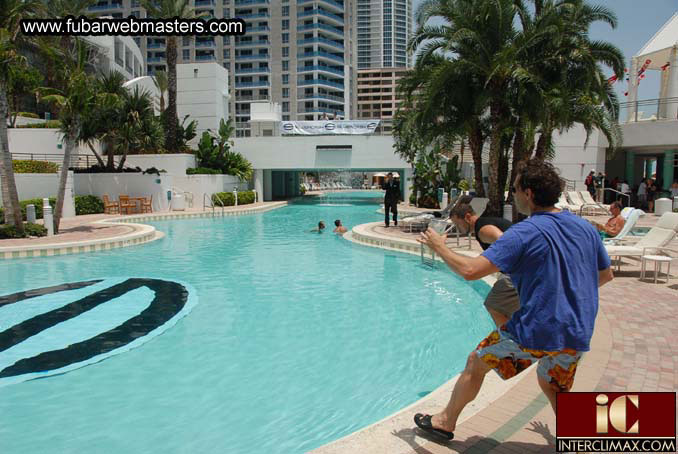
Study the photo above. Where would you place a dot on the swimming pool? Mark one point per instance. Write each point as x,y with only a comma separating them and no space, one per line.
297,339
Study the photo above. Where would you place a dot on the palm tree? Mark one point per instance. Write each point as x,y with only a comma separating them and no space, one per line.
11,12
160,81
74,104
170,9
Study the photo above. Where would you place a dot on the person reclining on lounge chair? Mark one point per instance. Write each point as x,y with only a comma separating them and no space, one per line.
614,225
503,300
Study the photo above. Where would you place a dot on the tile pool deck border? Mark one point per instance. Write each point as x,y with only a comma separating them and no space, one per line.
501,409
142,233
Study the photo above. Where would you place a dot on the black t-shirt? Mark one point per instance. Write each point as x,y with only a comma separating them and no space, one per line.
500,223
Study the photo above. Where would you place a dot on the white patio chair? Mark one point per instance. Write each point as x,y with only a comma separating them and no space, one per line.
659,236
628,226
586,197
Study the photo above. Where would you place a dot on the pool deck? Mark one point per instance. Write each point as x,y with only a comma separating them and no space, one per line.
91,233
624,356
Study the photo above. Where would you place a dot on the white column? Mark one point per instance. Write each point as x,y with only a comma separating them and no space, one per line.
407,182
268,185
69,197
672,109
633,89
259,184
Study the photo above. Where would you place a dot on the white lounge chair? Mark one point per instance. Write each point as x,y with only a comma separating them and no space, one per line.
563,204
586,197
582,207
659,236
628,225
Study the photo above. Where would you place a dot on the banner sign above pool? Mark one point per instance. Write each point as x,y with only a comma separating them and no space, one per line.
52,330
322,128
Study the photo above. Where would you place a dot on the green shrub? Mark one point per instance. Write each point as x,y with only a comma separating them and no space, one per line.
226,198
21,166
88,204
464,185
51,124
9,231
35,229
24,203
202,171
28,115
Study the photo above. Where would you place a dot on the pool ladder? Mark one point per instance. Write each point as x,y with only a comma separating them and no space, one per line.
426,260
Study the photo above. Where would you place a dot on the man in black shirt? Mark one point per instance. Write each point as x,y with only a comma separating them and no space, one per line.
391,198
503,300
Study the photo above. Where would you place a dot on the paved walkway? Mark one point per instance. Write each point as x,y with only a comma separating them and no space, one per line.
631,351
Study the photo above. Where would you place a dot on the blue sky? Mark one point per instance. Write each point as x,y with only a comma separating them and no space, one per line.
638,21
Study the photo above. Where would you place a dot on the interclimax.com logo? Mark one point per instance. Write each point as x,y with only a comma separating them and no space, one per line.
616,422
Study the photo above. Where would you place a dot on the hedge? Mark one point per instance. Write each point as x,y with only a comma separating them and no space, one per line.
226,198
9,231
28,114
51,124
84,204
202,171
22,166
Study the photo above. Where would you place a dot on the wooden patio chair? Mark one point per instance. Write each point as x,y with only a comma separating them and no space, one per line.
147,205
126,206
110,207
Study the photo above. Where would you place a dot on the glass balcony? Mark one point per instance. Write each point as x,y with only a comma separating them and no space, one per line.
320,82
252,70
253,57
207,57
319,26
328,42
259,83
322,54
321,12
301,69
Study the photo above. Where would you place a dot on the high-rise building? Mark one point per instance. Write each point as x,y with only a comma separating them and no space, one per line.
299,53
384,28
377,95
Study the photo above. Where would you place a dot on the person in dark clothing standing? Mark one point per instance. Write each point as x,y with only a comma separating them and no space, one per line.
391,198
503,300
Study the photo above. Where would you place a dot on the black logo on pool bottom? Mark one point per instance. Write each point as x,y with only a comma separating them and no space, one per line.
170,298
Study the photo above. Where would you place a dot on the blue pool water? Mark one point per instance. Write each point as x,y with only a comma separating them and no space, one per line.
297,339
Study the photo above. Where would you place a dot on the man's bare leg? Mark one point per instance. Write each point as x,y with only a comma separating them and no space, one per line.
548,391
499,318
465,390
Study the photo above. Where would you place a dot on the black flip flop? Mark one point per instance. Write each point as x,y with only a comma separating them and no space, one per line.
424,423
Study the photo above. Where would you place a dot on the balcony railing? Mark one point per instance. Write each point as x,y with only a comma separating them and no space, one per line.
251,16
253,57
152,45
152,59
320,110
263,28
207,57
329,2
323,96
321,12
253,43
105,7
248,98
662,109
301,69
250,2
259,83
320,82
204,2
319,26
329,42
252,70
205,43
321,54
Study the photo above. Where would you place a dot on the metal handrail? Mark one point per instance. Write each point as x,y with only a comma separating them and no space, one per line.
204,205
216,194
628,196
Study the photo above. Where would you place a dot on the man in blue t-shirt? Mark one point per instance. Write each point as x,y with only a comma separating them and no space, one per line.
556,261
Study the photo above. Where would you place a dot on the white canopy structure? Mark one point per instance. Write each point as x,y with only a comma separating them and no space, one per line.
659,54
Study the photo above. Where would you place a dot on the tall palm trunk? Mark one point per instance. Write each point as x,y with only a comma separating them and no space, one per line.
108,149
494,204
10,196
519,154
100,161
69,144
171,140
475,143
543,144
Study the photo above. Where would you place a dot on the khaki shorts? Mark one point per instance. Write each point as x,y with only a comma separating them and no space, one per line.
503,297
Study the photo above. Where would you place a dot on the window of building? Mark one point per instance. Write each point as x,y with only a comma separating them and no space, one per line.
285,79
186,41
285,52
286,106
286,117
285,65
285,37
286,24
227,53
285,11
285,92
186,54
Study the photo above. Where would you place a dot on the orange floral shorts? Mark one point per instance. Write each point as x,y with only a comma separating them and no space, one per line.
501,351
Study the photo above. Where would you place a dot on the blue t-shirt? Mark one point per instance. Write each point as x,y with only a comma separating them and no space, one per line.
553,260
